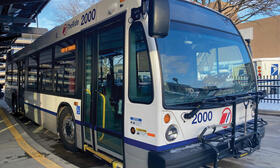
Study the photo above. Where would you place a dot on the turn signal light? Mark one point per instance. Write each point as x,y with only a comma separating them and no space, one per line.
166,118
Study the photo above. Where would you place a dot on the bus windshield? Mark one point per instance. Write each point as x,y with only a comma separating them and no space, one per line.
198,63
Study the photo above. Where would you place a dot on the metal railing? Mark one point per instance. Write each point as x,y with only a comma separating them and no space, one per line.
271,84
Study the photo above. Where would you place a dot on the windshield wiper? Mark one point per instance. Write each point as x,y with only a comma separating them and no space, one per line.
209,102
226,100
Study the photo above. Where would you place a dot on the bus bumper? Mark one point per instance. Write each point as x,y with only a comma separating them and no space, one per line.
210,151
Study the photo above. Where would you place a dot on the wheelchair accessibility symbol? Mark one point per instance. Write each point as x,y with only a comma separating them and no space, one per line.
274,69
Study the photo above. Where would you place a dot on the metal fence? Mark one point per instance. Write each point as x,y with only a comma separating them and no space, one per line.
271,84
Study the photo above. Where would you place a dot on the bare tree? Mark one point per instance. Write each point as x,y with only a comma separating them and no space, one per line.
72,8
242,10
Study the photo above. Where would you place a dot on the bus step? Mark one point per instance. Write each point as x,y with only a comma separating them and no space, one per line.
115,163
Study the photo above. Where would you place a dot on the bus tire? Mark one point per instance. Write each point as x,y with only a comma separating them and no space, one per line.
66,128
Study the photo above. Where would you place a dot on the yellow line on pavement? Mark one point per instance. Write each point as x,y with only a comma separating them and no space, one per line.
5,129
1,121
25,146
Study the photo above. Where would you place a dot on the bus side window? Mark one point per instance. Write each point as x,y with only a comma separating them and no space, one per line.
32,73
9,74
15,74
65,67
140,78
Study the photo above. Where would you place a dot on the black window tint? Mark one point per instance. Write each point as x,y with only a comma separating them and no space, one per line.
15,74
32,73
65,67
45,73
140,78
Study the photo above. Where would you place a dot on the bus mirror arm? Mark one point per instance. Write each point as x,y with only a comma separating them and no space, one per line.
248,41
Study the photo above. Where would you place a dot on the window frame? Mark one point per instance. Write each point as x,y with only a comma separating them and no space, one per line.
78,57
36,89
9,72
40,82
149,61
14,80
76,38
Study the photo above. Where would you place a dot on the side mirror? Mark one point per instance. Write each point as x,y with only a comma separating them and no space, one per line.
248,41
159,18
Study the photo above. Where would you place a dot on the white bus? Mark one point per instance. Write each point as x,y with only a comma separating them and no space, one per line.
142,83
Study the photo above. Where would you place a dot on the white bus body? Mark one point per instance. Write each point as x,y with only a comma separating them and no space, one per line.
145,110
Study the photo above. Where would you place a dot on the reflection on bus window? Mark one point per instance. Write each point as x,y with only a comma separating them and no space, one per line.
45,72
15,74
110,85
65,67
32,73
201,61
140,81
9,74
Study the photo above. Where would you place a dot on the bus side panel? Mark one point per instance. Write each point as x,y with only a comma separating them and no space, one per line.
31,107
43,108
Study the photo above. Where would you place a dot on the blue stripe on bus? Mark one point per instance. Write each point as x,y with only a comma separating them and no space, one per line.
142,144
173,145
159,148
42,109
50,112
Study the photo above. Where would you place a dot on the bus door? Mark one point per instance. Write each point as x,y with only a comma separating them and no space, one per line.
103,96
88,94
109,91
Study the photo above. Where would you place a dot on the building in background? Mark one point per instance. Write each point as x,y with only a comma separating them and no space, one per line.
22,41
15,33
265,43
264,35
19,44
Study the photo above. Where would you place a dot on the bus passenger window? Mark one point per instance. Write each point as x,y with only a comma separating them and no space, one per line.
46,79
65,67
140,78
9,74
32,73
15,74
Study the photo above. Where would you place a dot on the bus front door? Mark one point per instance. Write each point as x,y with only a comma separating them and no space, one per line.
109,90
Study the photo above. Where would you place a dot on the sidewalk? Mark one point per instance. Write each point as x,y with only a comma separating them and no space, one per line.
269,108
18,149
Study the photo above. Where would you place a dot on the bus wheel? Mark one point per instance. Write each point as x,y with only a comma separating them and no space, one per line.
66,129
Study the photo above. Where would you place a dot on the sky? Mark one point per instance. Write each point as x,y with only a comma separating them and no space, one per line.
47,16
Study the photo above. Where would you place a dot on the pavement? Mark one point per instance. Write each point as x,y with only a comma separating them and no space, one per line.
269,154
18,149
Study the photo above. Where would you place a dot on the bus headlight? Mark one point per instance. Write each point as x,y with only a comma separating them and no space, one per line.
171,133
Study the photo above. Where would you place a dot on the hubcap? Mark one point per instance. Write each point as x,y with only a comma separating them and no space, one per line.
68,129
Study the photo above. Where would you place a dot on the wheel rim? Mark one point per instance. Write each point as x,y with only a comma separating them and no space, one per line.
68,129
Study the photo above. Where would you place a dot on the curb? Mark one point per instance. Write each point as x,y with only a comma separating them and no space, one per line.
269,112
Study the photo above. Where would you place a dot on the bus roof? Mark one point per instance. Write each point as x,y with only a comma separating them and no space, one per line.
104,10
100,12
